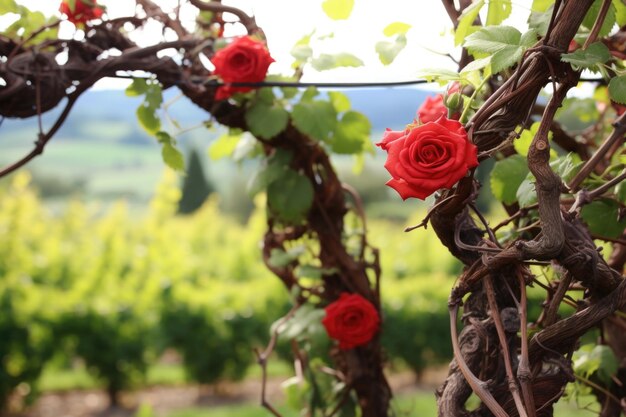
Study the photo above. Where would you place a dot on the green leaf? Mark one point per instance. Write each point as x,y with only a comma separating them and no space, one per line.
305,320
247,147
280,258
540,20
8,6
272,168
440,75
596,53
138,87
309,94
340,101
617,89
154,95
266,121
466,21
148,119
620,192
505,43
522,144
351,134
578,113
338,9
477,64
620,12
592,15
290,196
327,61
164,138
265,96
224,146
396,28
566,166
602,217
388,51
172,157
301,52
526,194
541,5
315,118
315,272
506,177
592,359
498,11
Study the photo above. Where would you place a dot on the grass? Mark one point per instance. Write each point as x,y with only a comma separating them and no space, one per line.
54,379
421,404
78,378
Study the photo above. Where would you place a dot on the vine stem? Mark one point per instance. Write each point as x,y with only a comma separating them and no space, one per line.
619,130
523,368
506,355
264,355
472,98
597,25
478,386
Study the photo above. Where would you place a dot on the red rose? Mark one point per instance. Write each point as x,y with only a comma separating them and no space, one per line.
389,136
245,60
429,157
82,12
432,109
351,320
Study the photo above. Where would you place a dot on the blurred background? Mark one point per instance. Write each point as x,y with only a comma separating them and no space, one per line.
128,289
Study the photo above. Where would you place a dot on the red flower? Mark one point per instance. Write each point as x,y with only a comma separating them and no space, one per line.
82,12
351,320
429,157
432,109
245,60
389,136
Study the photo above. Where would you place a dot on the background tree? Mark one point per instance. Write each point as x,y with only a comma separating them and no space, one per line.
195,188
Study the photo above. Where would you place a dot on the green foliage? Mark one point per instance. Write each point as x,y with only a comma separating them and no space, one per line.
541,5
327,61
604,218
315,118
466,22
266,120
595,359
8,6
338,9
113,344
396,28
352,134
505,44
194,283
506,177
617,89
290,196
417,330
25,348
498,11
592,15
540,20
225,145
28,23
147,115
595,54
620,12
388,51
